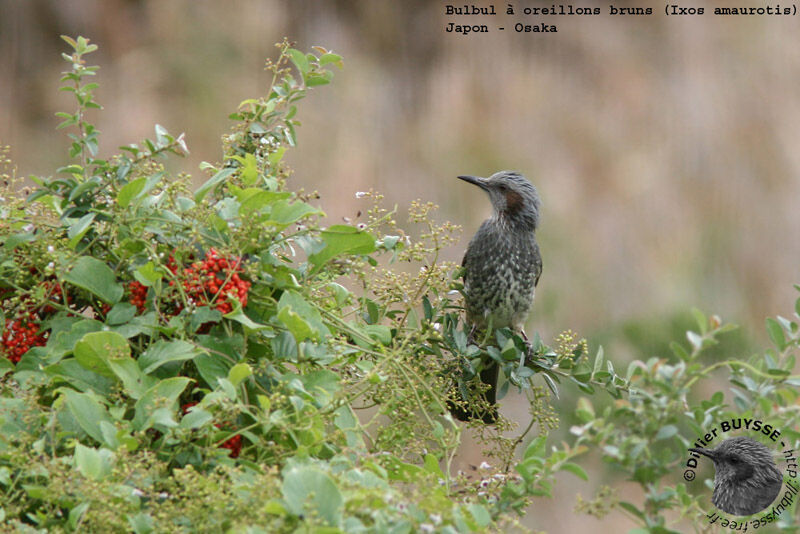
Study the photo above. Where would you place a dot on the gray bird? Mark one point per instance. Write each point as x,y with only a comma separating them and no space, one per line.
746,479
502,266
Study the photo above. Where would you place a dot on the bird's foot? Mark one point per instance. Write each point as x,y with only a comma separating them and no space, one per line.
529,353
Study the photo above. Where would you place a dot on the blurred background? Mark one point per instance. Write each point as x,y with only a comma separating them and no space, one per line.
665,149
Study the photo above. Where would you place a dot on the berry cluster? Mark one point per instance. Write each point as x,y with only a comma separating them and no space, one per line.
20,335
24,330
138,295
233,444
215,282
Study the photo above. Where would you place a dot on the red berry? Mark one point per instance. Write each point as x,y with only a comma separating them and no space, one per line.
20,335
234,444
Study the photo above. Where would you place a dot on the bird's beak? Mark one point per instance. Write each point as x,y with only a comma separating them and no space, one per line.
476,180
704,452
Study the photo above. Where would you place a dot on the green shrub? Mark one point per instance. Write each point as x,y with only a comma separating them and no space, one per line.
218,361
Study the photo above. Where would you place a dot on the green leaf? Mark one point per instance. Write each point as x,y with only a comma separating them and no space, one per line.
238,315
585,410
78,229
432,465
342,239
778,373
75,515
340,293
11,242
700,319
184,203
322,385
97,278
239,372
93,463
212,182
249,171
203,315
300,60
679,351
163,351
633,510
379,332
162,135
196,418
318,78
79,377
284,346
285,212
535,448
300,317
147,274
481,515
776,333
211,367
87,411
666,432
121,313
347,422
141,523
575,469
162,395
83,188
276,156
152,181
598,361
308,490
136,383
69,40
330,57
95,349
255,200
129,191
216,364
299,327
582,373
551,384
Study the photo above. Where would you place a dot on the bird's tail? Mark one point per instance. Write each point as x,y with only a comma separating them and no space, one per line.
476,405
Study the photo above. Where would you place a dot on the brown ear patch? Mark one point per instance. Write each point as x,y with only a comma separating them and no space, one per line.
513,201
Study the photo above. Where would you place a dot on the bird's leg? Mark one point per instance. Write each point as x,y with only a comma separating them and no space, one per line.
472,334
528,347
527,342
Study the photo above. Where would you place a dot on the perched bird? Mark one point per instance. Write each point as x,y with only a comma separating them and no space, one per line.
501,269
746,479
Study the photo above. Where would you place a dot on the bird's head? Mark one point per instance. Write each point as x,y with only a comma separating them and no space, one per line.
513,197
738,459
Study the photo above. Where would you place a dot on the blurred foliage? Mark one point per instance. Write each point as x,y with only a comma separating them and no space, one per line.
647,435
653,336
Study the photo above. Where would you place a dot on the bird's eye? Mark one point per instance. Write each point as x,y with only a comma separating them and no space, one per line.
734,460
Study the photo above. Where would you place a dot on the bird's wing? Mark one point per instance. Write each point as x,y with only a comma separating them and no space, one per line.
465,271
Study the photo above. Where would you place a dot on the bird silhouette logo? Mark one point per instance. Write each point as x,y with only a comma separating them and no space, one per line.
746,479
